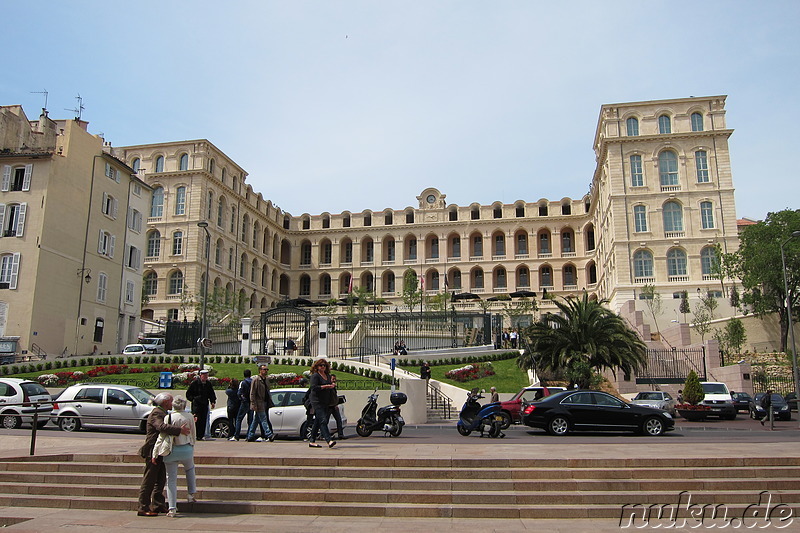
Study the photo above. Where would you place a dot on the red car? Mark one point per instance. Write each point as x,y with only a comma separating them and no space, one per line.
512,407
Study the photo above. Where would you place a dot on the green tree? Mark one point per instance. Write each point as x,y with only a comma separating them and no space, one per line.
584,332
652,300
222,305
701,320
758,264
187,302
732,337
517,310
684,307
411,295
692,389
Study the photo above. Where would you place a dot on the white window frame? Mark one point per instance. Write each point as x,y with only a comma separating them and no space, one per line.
130,290
180,200
639,218
177,243
8,177
9,269
701,166
106,243
637,171
707,215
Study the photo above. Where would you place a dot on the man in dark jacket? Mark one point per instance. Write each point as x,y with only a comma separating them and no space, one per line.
201,393
244,407
151,492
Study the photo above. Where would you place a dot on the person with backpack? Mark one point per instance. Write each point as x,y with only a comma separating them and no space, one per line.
244,405
766,403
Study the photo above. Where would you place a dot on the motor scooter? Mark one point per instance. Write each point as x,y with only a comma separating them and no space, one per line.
475,417
387,418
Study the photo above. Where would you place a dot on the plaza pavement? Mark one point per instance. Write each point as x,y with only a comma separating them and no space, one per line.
51,520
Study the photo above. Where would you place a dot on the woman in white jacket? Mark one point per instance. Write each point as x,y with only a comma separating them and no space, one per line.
182,452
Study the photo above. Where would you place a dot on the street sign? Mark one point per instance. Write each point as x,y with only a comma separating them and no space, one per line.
206,343
394,362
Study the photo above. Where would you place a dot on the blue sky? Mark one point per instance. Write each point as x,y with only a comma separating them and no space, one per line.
354,105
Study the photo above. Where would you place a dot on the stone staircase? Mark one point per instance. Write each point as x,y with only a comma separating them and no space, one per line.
381,487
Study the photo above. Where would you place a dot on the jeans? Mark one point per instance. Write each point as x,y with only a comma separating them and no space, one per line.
183,454
338,417
244,409
260,418
322,414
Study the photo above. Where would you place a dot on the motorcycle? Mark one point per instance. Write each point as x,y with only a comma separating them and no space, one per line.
475,417
387,418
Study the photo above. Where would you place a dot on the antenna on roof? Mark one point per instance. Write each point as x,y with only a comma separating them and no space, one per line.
44,92
80,108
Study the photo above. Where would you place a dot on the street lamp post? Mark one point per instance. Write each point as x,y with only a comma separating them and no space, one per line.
203,335
789,316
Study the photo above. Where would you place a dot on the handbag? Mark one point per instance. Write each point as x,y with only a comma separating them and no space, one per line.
163,446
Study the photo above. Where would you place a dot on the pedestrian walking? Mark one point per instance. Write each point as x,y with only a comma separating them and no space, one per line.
234,403
244,405
495,397
201,394
337,415
425,372
766,403
151,491
260,402
321,391
182,452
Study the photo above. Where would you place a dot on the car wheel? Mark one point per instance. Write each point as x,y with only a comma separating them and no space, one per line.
463,430
11,422
221,429
653,426
558,426
69,423
731,416
506,422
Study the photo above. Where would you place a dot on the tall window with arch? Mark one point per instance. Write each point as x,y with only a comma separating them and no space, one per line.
664,124
701,166
709,263
707,215
632,126
160,163
697,122
639,218
668,168
154,243
637,174
180,201
184,162
642,264
157,203
177,243
176,283
673,216
676,262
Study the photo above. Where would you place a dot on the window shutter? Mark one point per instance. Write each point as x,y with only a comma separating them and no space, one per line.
108,171
127,257
14,271
137,256
26,181
101,249
116,175
111,246
130,218
6,177
105,204
114,207
137,221
23,207
2,218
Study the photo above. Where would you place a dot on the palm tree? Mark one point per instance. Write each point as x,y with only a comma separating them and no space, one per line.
585,336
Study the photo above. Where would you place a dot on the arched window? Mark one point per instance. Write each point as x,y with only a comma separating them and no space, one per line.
632,125
245,227
708,261
707,215
642,264
177,243
210,206
180,201
569,276
243,265
673,216
305,253
639,218
184,164
153,243
325,252
637,174
157,203
160,163
221,212
522,243
664,124
135,164
388,283
347,251
211,168
477,279
176,282
668,168
544,243
546,276
151,284
500,281
567,245
676,262
697,122
218,251
701,166
499,245
305,285
325,285
523,277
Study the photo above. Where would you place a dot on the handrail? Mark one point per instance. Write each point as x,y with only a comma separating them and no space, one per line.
440,400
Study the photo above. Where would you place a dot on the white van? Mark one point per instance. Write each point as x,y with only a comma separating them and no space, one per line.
719,399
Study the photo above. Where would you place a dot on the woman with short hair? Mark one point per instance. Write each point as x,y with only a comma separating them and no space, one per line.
182,452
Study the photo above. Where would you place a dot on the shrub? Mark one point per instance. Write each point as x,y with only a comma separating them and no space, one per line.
14,369
692,389
48,365
73,362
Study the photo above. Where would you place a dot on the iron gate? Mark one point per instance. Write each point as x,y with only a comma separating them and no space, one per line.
673,366
287,323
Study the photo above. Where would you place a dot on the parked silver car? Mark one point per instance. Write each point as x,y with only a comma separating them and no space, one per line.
18,391
288,417
657,399
101,405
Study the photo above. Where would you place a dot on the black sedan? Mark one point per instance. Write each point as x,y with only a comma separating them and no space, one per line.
779,407
585,410
741,401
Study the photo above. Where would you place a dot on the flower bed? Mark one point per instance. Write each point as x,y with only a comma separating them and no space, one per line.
470,372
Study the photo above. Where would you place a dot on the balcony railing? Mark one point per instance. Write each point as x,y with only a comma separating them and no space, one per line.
325,265
412,261
367,263
387,262
569,254
545,255
674,234
521,256
678,278
499,257
431,260
644,280
499,289
476,258
570,287
670,188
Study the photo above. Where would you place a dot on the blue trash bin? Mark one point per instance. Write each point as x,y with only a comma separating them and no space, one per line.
165,381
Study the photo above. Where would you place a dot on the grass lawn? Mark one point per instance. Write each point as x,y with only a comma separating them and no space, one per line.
508,377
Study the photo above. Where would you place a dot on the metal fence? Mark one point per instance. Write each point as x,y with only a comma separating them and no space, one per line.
673,366
782,385
181,335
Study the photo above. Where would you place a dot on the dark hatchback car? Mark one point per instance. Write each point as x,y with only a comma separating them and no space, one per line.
779,407
741,401
585,410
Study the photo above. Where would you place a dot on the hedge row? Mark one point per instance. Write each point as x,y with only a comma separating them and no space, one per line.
459,360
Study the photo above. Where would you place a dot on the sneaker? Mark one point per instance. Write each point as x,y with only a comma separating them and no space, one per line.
191,498
232,439
261,439
341,437
331,444
172,512
271,438
314,445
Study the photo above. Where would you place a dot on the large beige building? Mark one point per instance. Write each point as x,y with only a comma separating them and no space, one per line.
72,219
660,199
